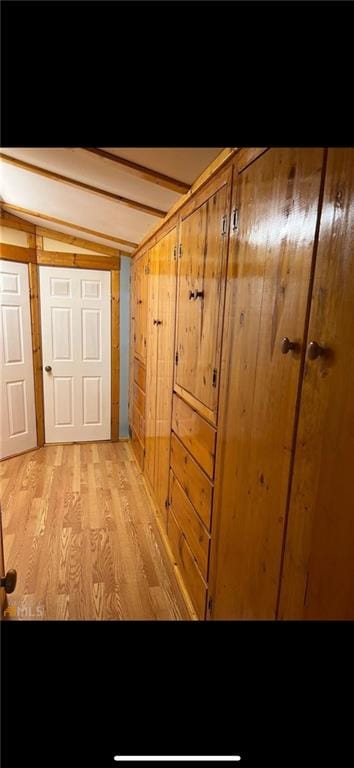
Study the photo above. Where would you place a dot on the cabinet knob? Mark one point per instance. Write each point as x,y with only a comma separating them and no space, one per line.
314,350
287,345
48,368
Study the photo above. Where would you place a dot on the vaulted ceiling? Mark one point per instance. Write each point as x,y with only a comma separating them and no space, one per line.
112,195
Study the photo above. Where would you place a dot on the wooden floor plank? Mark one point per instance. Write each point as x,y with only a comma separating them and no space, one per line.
79,529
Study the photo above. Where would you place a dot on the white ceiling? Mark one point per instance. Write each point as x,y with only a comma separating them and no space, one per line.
51,197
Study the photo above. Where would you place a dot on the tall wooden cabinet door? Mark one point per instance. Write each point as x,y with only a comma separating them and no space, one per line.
318,576
152,279
271,256
140,306
201,284
165,363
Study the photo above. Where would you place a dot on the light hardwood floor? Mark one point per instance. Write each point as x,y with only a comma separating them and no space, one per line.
79,529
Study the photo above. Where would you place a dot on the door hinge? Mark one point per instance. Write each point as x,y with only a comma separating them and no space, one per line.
224,224
215,375
180,250
210,604
176,358
234,219
175,252
167,503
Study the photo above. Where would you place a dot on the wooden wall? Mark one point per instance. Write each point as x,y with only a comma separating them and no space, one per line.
260,434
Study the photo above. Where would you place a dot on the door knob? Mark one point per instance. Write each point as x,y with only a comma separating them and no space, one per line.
287,345
314,350
196,295
9,581
48,368
191,295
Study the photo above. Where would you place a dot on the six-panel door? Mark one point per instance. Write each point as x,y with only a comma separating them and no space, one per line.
17,411
318,577
200,299
76,339
269,270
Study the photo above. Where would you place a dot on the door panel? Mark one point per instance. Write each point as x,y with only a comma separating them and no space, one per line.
141,306
159,366
318,575
199,320
76,336
165,363
151,364
269,271
17,412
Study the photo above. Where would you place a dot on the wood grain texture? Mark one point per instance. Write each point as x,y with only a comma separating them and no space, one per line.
202,268
80,530
194,482
191,525
17,253
36,169
268,283
140,307
152,283
195,434
79,260
14,222
187,564
165,332
140,374
318,575
211,173
18,223
33,277
115,356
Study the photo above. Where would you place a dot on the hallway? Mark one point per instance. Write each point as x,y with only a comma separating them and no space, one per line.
79,529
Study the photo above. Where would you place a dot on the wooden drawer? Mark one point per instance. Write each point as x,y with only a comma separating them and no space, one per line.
139,399
138,449
195,433
189,522
139,424
190,573
140,374
192,479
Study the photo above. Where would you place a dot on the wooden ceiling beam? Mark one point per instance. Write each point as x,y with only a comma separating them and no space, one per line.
44,217
140,171
82,185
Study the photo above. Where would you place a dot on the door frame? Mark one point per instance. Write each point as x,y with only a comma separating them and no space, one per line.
35,256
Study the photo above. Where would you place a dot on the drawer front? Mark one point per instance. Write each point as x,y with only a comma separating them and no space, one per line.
189,522
139,399
138,449
140,374
139,424
192,479
191,576
195,433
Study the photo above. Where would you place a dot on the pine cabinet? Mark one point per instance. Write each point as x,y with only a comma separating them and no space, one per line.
160,332
318,576
275,202
203,240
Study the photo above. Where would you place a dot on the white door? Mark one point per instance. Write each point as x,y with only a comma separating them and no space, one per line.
76,343
17,408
